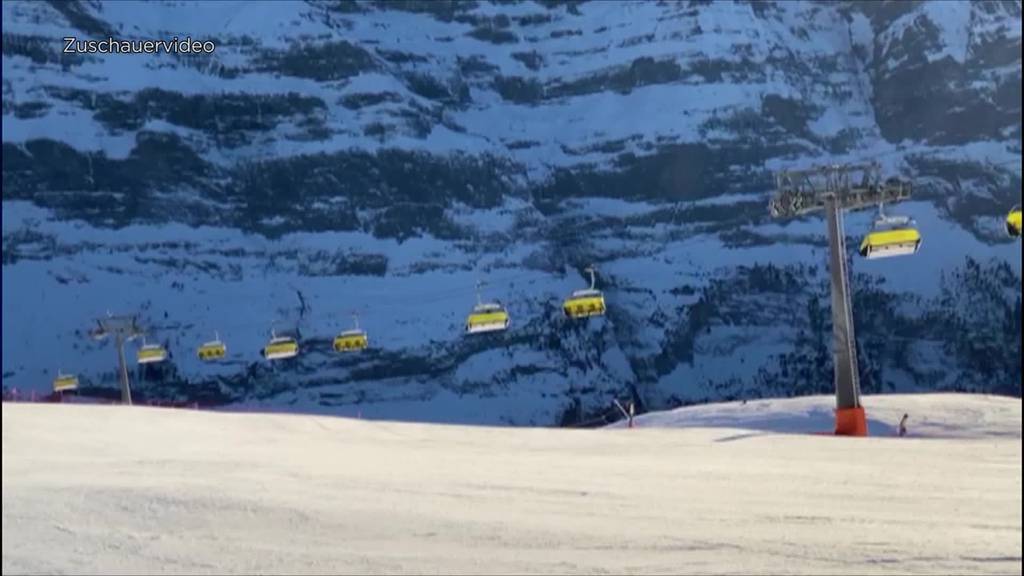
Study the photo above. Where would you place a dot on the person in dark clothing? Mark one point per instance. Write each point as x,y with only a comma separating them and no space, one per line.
903,425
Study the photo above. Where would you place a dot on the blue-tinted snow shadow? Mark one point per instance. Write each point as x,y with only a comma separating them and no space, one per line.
875,428
816,422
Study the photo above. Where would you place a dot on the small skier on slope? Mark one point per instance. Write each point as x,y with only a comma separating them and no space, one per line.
903,425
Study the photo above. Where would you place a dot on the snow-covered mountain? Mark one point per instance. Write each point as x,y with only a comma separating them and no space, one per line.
382,157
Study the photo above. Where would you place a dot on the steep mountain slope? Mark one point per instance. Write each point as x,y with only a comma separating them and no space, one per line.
384,156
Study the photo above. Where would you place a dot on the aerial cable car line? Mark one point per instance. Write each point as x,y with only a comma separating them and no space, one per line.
356,338
587,302
785,202
494,316
872,247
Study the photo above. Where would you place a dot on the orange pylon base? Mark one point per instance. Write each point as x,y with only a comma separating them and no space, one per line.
851,422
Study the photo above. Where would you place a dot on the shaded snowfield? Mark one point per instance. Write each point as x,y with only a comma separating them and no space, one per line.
91,489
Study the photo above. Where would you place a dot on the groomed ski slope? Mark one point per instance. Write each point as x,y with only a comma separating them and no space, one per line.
114,490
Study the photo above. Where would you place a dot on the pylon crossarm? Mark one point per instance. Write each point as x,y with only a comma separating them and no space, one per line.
123,329
792,202
800,192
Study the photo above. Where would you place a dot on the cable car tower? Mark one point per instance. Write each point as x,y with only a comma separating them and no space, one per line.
833,189
124,329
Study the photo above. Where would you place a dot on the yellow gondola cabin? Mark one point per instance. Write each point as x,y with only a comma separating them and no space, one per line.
486,316
212,350
585,303
890,236
280,348
351,341
1013,222
489,317
65,382
151,354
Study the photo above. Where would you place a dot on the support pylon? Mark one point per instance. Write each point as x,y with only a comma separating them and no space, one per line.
124,329
832,190
850,418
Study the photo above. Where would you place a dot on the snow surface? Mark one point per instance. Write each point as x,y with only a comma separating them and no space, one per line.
107,489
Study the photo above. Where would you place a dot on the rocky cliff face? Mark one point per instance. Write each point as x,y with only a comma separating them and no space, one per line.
383,156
